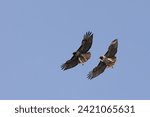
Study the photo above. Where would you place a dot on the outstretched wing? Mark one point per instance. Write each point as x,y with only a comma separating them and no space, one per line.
112,49
86,42
97,70
70,63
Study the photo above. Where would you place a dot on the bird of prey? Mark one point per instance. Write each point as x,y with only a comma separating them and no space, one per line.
106,61
81,55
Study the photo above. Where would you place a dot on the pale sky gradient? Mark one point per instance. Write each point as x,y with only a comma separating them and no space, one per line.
37,36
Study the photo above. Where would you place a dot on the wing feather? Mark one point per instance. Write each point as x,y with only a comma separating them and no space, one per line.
70,63
112,49
100,68
86,42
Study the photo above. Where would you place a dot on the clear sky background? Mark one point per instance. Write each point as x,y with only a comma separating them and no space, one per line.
37,36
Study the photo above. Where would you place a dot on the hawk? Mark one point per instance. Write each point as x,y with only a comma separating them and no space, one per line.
106,61
81,55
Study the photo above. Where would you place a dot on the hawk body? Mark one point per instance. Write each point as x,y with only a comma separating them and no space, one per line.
106,61
81,55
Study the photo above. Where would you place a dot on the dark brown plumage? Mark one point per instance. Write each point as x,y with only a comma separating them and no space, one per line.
108,60
81,55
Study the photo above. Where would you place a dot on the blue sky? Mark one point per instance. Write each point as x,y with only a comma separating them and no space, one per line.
37,36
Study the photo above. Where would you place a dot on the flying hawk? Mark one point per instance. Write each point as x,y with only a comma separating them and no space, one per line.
81,55
106,61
